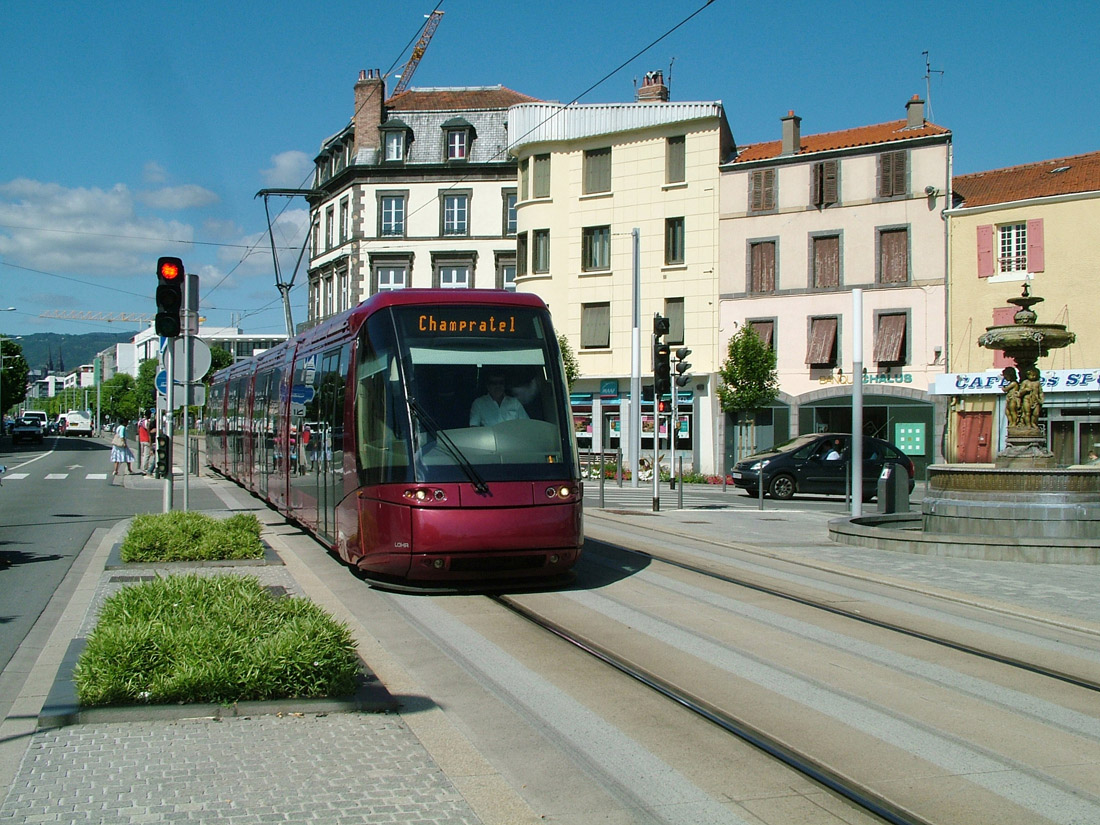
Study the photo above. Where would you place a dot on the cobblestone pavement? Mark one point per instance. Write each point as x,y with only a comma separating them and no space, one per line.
342,768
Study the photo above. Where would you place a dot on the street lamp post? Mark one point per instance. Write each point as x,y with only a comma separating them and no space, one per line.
3,338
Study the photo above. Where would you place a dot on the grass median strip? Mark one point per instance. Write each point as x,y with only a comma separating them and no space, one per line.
220,639
185,536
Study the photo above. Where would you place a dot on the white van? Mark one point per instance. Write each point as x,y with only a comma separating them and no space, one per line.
78,423
37,415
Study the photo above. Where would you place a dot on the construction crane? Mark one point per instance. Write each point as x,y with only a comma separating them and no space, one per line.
418,52
81,315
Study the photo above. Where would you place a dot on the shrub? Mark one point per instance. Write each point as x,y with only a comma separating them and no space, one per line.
213,639
179,536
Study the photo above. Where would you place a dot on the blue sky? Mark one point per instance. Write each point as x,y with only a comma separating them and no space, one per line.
138,129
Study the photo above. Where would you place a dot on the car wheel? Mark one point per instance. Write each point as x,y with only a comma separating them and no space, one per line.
782,487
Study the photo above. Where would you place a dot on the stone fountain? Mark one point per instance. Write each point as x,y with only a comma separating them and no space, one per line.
1021,507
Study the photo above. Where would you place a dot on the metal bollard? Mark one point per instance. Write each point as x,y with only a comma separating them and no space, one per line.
680,486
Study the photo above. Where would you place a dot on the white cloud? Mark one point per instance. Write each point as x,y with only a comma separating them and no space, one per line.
153,172
58,229
291,170
188,196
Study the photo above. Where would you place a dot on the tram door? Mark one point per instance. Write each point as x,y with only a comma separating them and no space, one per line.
326,447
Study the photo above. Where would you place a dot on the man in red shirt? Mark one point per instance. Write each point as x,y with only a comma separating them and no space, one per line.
145,440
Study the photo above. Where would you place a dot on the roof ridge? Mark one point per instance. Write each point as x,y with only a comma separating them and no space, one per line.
1033,164
902,120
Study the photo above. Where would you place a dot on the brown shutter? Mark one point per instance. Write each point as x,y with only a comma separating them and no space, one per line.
890,339
897,185
829,193
822,340
764,330
885,165
769,189
756,182
894,256
762,278
827,262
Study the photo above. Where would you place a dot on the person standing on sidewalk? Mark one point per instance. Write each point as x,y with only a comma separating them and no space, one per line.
145,443
120,450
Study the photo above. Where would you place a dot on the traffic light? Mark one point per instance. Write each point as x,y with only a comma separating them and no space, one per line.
662,373
660,325
682,367
170,277
164,457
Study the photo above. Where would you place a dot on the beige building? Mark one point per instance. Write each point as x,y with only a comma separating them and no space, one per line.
1033,224
418,190
589,175
805,220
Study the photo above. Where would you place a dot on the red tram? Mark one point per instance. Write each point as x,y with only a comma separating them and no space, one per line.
379,432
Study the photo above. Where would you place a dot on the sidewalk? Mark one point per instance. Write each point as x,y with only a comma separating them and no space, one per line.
323,764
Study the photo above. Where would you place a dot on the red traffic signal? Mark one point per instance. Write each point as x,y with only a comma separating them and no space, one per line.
170,274
170,270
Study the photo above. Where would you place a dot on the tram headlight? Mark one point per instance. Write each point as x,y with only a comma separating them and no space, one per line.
564,491
422,495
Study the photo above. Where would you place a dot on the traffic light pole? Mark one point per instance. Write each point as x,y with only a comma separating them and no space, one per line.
170,401
656,443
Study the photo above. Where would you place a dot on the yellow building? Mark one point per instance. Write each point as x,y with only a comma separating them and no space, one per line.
589,175
1033,224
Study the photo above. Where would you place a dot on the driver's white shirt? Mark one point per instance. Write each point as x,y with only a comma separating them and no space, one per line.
485,412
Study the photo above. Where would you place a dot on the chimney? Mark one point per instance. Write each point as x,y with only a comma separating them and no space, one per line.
653,88
914,110
370,94
792,133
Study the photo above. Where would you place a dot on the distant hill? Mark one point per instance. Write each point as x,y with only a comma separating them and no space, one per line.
70,350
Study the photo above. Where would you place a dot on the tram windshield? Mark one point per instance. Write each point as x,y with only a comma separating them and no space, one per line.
461,393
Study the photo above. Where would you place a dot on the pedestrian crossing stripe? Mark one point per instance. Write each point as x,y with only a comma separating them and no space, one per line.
96,477
16,476
56,476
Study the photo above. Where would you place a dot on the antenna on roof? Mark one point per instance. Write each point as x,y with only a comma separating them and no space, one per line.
928,72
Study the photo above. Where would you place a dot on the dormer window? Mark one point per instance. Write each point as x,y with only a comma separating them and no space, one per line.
396,136
458,135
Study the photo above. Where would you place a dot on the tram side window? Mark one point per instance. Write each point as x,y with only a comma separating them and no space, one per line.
383,450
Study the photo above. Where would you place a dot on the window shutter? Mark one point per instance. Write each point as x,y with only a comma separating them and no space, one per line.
764,330
1035,255
885,164
890,339
769,189
817,194
985,251
897,186
822,341
756,183
762,264
829,192
827,261
894,256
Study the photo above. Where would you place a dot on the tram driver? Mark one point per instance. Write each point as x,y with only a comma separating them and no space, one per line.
496,405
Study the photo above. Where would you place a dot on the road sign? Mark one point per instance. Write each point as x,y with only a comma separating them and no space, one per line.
198,391
301,394
200,358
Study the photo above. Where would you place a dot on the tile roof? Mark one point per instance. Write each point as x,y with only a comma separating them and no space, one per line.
846,139
456,98
1061,176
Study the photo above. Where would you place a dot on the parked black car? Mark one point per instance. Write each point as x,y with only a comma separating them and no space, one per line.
818,463
27,429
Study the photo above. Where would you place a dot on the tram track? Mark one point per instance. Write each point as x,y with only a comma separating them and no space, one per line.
861,796
641,622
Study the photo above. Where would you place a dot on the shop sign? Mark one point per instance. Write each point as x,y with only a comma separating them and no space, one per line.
870,378
609,388
990,382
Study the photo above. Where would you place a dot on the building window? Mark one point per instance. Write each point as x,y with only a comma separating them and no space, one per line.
762,190
675,160
456,213
391,214
674,240
390,275
509,196
521,254
524,177
596,326
762,266
452,276
506,274
597,171
330,228
674,311
316,234
457,140
765,331
892,174
343,290
890,339
826,263
541,177
540,252
344,213
893,257
595,248
824,185
395,145
1012,246
822,349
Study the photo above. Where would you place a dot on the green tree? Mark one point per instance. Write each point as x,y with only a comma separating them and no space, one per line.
145,388
572,368
219,360
13,376
119,397
748,377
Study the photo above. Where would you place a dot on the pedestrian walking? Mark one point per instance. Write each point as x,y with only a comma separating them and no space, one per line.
120,450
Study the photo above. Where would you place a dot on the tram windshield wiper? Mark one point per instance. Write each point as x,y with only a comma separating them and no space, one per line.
441,436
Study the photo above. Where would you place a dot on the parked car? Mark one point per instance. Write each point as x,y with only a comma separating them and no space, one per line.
818,463
27,429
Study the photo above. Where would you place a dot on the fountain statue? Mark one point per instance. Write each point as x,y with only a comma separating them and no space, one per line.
1025,341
